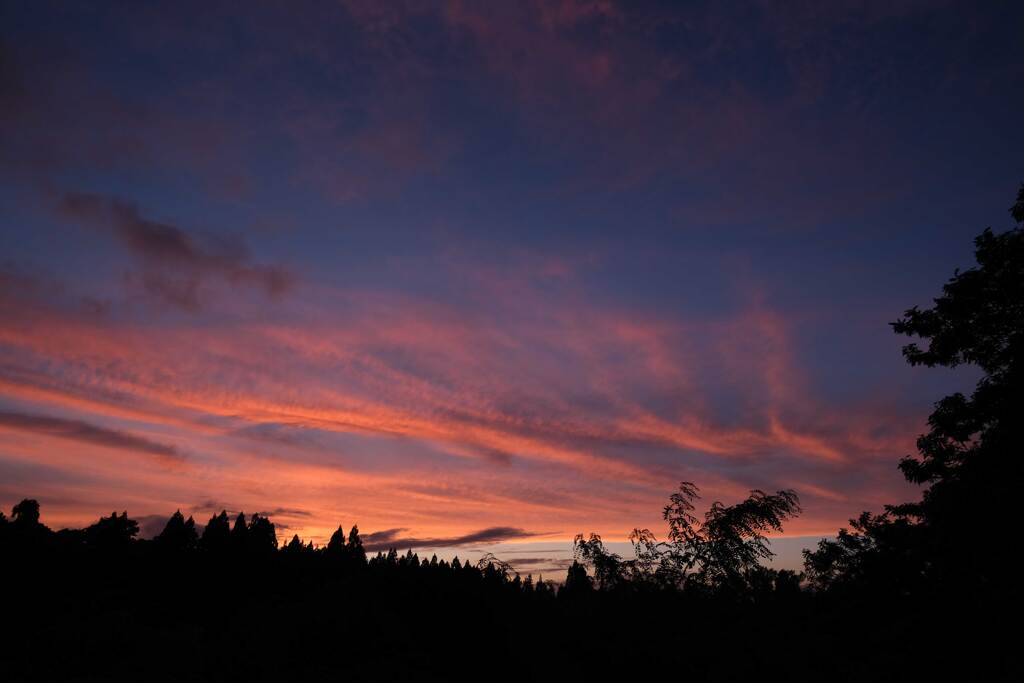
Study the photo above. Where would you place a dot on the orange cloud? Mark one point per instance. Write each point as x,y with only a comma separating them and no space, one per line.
614,402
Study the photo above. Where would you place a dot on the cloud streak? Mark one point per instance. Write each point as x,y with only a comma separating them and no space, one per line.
499,534
84,432
175,263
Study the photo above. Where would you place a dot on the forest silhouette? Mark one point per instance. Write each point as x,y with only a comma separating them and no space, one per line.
925,590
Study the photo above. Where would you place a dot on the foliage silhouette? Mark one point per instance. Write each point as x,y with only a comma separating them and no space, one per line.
217,534
179,535
26,513
970,458
240,533
336,546
261,535
576,580
356,554
720,553
113,532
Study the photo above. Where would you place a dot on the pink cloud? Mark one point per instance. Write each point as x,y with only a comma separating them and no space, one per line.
544,384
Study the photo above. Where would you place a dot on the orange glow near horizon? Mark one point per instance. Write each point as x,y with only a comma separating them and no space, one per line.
474,427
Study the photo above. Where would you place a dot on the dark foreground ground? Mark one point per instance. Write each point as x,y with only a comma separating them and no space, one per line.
148,616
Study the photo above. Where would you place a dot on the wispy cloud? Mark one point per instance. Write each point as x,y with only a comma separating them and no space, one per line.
499,534
380,538
175,262
76,430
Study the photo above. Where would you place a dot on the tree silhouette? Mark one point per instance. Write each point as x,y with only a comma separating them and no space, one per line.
26,513
356,553
113,532
240,534
179,534
717,553
577,581
295,547
23,531
217,534
494,568
731,540
261,535
970,457
337,550
608,567
702,590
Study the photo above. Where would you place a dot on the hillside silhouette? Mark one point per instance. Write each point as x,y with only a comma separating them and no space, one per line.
924,590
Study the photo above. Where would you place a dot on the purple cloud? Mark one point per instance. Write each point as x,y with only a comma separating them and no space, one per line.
175,263
384,540
84,432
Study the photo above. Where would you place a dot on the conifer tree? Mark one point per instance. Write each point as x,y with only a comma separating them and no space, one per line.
217,534
356,553
179,534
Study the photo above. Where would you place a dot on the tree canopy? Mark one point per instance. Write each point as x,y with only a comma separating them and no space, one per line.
720,552
969,460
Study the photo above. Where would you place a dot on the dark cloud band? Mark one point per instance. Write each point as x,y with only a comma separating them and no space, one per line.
384,540
84,432
175,263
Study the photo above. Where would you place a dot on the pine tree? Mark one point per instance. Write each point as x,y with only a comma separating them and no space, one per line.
217,534
336,549
179,534
261,535
356,553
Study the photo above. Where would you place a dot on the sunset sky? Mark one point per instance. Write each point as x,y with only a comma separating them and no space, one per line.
477,272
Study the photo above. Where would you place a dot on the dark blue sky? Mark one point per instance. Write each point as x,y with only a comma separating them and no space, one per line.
445,266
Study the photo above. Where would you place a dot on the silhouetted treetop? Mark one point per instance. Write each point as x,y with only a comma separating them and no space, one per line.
179,534
979,318
355,546
26,512
217,534
1017,210
336,544
577,580
240,529
24,526
970,456
115,531
294,546
262,535
718,552
494,567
